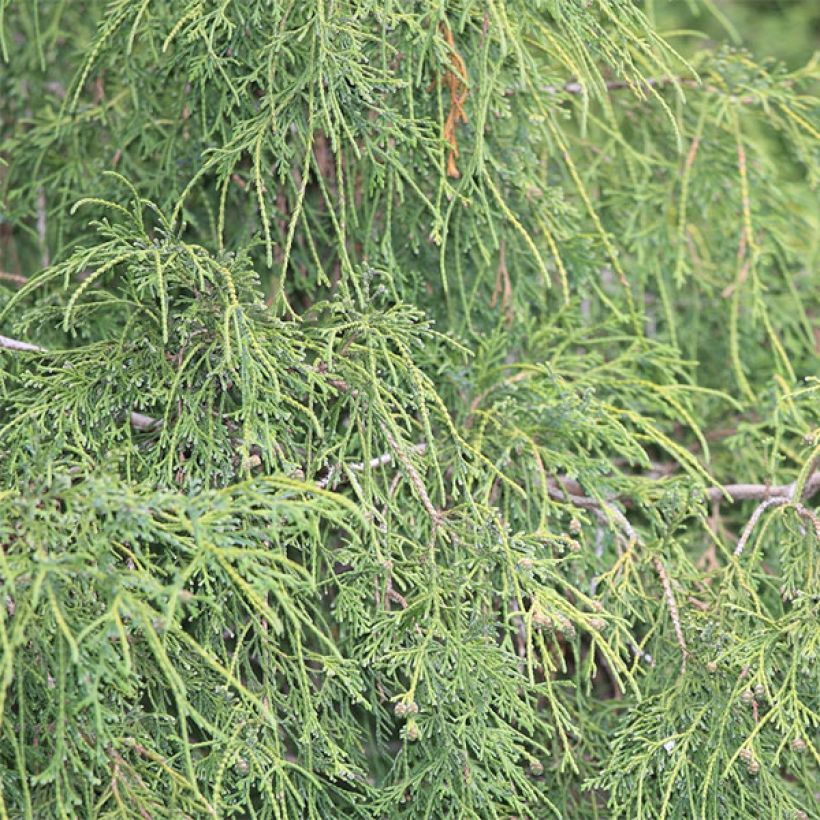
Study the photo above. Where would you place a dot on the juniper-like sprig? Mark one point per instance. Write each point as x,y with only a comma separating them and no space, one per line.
406,410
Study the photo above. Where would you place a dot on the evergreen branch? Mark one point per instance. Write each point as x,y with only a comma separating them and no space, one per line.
415,478
671,604
186,630
608,512
558,487
139,421
779,497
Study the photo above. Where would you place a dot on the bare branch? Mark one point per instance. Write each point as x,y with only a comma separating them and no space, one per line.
415,478
562,488
778,501
577,88
16,344
143,422
17,278
373,464
671,604
574,87
761,492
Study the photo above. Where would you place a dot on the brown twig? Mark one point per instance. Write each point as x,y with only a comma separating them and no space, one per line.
503,287
455,80
17,278
42,228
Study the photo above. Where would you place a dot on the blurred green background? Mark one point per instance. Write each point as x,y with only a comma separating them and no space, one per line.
786,29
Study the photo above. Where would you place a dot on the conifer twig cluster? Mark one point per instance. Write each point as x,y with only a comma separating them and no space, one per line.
407,410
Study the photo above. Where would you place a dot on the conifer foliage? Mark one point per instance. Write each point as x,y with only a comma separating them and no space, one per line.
407,409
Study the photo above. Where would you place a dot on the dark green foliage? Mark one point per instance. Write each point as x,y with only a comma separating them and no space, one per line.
375,387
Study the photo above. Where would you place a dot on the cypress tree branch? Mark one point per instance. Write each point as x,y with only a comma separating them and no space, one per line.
557,487
330,230
139,421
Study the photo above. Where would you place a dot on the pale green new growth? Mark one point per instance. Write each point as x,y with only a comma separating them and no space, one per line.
407,409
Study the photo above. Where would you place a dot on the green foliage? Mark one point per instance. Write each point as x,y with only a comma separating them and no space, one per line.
407,409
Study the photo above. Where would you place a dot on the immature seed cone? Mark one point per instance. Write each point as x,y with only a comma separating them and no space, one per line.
412,730
798,745
540,620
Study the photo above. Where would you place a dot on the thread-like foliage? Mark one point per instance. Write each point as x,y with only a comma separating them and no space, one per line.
407,409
